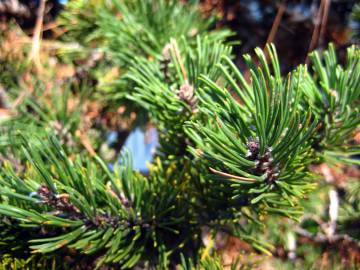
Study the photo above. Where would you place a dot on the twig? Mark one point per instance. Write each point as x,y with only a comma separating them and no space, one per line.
318,238
276,22
227,175
315,34
322,238
324,21
46,27
35,50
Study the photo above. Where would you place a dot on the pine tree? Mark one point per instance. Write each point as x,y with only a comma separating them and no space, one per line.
235,153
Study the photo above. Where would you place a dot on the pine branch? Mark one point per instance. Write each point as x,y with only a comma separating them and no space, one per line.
117,215
261,134
333,93
231,150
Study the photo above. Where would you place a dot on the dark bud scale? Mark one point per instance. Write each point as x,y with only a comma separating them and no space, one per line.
264,162
59,201
254,148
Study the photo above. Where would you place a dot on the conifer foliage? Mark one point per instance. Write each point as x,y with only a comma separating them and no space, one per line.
234,149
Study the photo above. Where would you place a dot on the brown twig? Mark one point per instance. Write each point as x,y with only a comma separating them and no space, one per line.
276,23
35,50
46,27
324,21
315,35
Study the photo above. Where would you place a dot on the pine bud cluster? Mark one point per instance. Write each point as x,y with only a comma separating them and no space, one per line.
264,162
186,93
58,201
